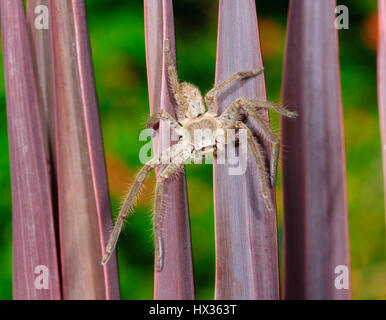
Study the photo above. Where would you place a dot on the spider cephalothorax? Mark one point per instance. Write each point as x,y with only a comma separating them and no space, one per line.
193,117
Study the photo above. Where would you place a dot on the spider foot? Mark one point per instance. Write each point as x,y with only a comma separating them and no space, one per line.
166,45
273,179
257,71
268,203
291,114
159,254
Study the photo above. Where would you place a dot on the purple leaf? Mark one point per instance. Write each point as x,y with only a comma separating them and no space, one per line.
314,171
246,236
381,67
84,207
41,53
175,281
34,245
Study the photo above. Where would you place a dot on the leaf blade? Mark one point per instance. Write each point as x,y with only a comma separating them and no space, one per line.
175,281
314,172
34,241
246,235
84,207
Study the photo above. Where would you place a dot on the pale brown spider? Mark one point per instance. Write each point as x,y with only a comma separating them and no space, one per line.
191,116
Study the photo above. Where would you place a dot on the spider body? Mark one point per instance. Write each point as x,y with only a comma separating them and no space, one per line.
201,131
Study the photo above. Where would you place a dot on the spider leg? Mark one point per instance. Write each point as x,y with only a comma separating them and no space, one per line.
173,169
173,78
132,196
164,115
259,104
172,70
210,96
259,158
232,114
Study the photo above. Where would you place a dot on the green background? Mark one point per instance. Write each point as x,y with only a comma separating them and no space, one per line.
118,46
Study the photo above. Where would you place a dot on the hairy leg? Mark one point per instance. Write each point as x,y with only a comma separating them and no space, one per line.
231,115
171,67
173,78
164,115
132,196
258,104
129,201
169,172
258,155
210,96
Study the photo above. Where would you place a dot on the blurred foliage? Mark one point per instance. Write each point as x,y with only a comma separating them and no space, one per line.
118,46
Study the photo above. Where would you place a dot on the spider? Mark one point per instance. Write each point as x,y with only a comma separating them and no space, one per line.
192,115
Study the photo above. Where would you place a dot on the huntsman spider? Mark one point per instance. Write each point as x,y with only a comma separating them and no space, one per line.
191,116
